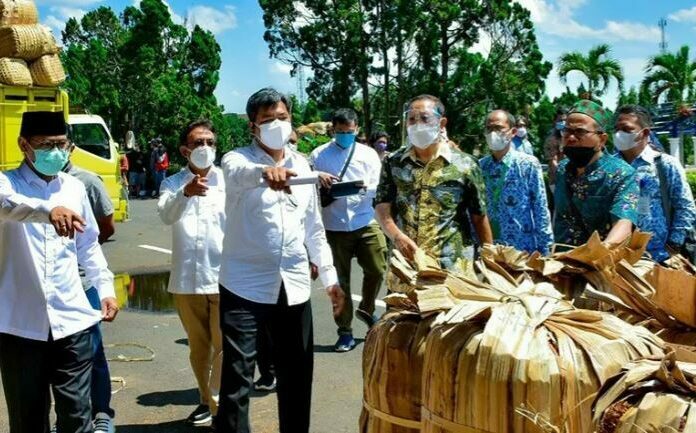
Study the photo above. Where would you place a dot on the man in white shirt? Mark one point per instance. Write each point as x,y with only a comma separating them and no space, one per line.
193,203
272,232
349,221
46,229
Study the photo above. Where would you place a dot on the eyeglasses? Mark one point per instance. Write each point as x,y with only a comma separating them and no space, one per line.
50,144
429,118
578,133
204,142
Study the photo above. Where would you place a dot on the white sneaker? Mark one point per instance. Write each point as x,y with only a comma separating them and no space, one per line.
103,423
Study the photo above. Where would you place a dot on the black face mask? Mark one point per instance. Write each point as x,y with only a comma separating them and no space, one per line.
579,156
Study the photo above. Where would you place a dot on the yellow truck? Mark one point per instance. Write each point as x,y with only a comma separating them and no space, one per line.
95,150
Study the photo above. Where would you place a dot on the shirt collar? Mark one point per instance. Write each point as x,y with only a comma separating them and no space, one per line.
649,154
444,150
509,156
261,155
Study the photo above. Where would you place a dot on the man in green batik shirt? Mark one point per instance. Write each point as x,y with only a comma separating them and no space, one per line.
594,190
435,192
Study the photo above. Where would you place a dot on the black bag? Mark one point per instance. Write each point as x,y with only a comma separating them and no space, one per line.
688,250
325,195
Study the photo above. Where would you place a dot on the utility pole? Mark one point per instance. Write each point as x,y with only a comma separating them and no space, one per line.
663,42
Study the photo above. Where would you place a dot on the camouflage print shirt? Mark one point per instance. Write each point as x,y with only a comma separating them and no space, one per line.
432,202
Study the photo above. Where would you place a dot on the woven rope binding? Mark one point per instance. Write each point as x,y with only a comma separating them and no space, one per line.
14,72
27,41
47,71
18,12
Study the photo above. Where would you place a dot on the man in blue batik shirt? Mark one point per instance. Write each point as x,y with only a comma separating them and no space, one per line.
516,195
631,140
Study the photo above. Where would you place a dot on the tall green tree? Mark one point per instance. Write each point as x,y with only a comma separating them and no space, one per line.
673,74
374,55
597,66
143,72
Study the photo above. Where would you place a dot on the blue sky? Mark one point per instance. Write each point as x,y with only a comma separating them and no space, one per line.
629,26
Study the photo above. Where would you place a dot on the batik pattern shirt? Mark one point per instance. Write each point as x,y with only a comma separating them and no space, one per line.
516,199
432,202
605,193
651,214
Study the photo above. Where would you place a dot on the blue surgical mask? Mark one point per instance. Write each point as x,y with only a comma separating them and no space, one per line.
345,139
50,162
560,126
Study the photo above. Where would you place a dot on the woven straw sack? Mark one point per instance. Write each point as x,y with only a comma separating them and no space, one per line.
14,72
27,41
18,12
47,71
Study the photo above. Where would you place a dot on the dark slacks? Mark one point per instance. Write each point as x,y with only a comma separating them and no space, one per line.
290,329
31,368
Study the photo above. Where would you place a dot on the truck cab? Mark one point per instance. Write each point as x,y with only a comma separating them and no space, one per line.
95,149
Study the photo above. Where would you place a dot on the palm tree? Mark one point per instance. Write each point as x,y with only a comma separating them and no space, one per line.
673,73
597,66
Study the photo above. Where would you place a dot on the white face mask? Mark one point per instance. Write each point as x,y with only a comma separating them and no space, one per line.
496,141
276,134
202,157
625,140
423,135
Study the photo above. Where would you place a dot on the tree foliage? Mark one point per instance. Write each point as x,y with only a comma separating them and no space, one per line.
671,74
374,55
143,72
596,66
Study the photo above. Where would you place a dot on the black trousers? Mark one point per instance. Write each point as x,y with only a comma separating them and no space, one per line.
30,368
290,329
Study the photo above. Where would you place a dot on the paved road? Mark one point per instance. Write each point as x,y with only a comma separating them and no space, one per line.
158,394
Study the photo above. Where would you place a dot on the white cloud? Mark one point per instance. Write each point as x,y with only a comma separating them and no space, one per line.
684,15
54,23
281,68
60,14
558,19
215,20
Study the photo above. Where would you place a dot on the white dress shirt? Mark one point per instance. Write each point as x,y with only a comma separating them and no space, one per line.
347,214
270,233
197,231
40,286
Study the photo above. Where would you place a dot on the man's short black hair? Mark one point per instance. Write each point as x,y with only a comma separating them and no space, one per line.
642,113
439,106
200,123
561,111
376,135
265,98
344,116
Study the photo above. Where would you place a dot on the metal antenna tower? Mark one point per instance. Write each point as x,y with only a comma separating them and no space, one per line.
663,42
301,84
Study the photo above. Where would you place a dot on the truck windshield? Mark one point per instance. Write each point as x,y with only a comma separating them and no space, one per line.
92,138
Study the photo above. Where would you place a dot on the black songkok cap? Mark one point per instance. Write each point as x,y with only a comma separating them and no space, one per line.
43,123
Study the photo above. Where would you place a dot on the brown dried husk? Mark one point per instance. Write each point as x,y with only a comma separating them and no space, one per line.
392,366
18,12
47,71
14,72
651,395
27,42
507,354
528,365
